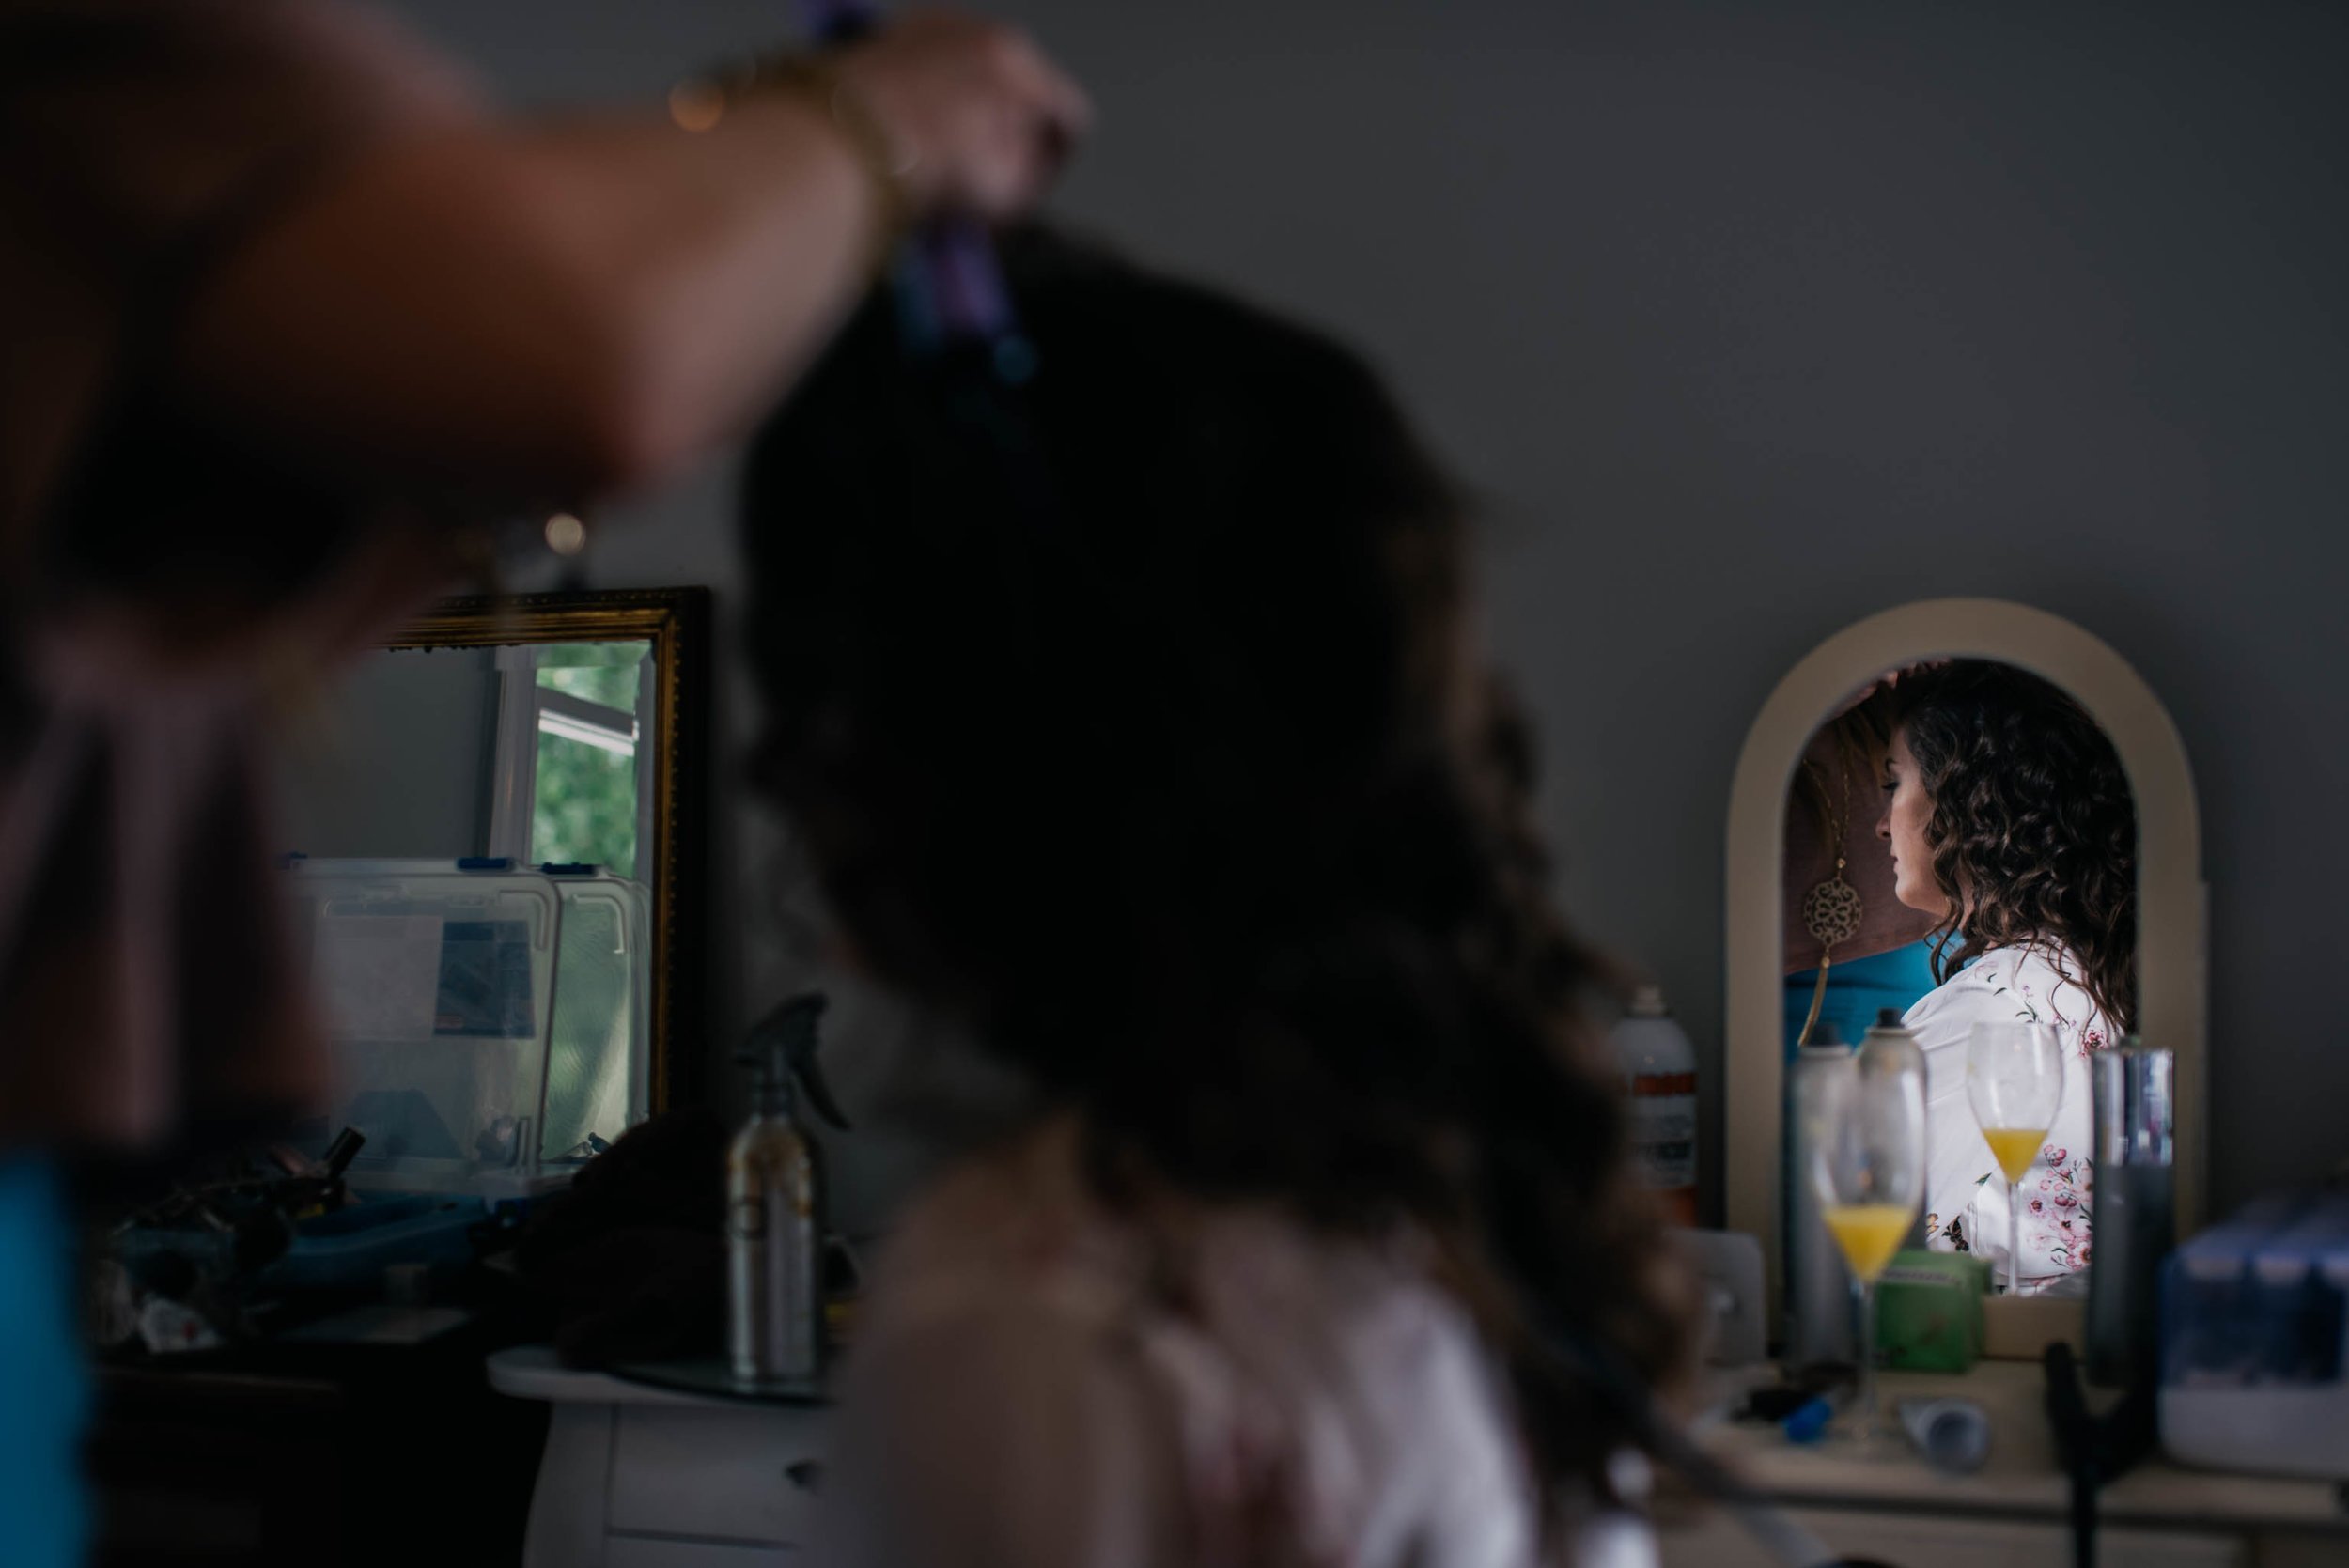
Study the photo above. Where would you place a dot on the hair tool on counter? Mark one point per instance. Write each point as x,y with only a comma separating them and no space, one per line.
237,1221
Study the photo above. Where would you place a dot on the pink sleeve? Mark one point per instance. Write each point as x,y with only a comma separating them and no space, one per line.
1003,1435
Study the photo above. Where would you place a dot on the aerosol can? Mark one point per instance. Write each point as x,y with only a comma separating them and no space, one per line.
774,1205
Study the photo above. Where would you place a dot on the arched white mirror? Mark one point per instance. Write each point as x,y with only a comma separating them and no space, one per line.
1814,772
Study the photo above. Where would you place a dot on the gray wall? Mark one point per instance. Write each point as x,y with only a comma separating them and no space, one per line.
1748,321
398,765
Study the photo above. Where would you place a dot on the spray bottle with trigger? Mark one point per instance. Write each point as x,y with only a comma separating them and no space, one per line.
774,1205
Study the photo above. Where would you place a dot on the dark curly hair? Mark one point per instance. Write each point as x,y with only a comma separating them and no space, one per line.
2034,831
1135,724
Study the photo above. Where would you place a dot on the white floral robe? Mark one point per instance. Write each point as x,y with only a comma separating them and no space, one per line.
1965,1201
1022,1392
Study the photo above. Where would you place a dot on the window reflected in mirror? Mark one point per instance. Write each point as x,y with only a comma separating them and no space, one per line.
538,752
589,785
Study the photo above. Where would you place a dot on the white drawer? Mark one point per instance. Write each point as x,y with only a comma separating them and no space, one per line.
723,1474
630,1551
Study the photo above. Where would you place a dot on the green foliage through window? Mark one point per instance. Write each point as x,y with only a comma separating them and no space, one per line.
585,807
600,672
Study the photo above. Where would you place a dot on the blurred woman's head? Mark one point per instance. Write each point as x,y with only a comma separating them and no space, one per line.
1135,722
2011,817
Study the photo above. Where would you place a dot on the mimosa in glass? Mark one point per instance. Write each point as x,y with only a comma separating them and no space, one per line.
1865,1131
2015,1082
1869,1233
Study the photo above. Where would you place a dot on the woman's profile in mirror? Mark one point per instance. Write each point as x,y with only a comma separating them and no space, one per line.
1961,846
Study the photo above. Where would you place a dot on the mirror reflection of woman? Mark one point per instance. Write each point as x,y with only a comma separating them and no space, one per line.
2009,821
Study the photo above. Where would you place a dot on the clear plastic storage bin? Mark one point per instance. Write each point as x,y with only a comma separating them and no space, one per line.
490,1021
600,1051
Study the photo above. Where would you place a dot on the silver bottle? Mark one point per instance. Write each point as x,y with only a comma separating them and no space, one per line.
2136,1221
774,1207
1818,1325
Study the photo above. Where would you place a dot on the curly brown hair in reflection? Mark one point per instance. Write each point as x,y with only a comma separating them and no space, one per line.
1157,751
2034,831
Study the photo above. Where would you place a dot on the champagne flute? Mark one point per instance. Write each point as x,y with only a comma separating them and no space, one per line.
2015,1081
1866,1135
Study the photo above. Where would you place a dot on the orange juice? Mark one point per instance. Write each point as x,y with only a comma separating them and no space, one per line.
1869,1233
2015,1148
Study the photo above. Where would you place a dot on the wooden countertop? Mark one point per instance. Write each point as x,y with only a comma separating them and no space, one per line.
2020,1479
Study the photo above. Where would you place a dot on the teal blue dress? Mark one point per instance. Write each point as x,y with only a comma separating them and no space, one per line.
45,1391
1856,991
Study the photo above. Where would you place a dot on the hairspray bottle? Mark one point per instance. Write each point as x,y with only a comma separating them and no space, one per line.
774,1206
1819,1321
2136,1221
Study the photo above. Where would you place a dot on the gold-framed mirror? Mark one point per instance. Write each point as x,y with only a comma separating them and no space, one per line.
539,729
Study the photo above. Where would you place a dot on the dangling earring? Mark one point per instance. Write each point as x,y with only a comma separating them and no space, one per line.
1831,910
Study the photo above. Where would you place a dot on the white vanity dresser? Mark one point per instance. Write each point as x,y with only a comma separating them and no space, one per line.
2013,1511
636,1476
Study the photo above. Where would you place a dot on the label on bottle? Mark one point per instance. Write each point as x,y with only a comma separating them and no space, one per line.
774,1307
1662,1114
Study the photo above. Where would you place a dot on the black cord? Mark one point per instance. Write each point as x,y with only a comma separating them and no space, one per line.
2094,1449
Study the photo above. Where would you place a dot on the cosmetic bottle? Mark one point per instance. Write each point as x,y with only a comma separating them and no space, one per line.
1818,1318
774,1206
1659,1083
2134,1217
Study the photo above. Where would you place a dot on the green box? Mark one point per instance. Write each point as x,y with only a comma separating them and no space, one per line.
1929,1311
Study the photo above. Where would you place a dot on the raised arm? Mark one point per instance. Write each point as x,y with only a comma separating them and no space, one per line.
562,307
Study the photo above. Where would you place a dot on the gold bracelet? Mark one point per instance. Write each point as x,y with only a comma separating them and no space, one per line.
816,81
